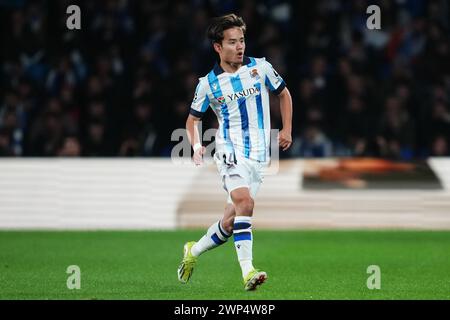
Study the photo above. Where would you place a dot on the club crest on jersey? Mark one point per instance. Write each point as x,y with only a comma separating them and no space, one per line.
221,100
254,74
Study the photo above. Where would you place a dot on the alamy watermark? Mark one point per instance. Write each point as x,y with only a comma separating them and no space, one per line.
74,280
374,20
374,280
74,20
182,152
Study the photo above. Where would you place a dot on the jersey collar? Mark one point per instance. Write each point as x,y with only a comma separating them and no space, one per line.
218,69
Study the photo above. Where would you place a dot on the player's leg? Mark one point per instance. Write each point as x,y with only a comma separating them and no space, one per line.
243,238
228,217
217,234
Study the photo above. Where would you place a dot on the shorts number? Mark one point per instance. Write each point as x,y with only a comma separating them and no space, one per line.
229,158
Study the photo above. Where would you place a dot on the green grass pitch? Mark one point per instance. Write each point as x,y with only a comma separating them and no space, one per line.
300,265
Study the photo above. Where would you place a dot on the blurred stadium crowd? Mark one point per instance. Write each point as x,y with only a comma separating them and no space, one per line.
124,82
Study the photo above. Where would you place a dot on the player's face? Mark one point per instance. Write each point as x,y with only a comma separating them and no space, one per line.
233,46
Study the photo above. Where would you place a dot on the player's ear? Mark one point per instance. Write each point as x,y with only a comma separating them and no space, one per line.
217,47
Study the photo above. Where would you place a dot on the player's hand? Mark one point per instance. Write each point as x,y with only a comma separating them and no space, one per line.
198,156
284,139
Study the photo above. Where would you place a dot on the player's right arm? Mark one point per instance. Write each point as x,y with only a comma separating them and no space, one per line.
194,138
199,105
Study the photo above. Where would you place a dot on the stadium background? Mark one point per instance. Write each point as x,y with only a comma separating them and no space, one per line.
124,82
85,123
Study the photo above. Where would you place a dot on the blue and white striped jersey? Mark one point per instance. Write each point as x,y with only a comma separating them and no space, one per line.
240,101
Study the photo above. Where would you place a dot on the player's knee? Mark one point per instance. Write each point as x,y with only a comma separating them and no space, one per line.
245,206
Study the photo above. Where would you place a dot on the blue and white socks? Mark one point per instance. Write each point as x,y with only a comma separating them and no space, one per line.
214,237
243,242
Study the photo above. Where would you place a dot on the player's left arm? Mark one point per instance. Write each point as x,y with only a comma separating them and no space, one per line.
285,135
275,83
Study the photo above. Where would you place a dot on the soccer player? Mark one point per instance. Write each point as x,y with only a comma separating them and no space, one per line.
237,89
